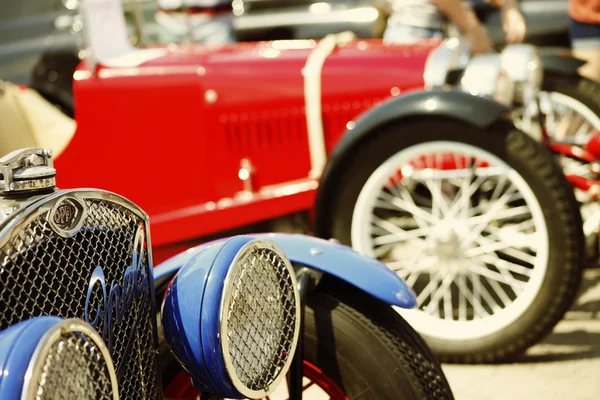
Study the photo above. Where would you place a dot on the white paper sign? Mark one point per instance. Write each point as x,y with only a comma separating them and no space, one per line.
105,31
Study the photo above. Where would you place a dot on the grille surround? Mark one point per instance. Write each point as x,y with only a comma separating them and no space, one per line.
40,371
102,233
259,254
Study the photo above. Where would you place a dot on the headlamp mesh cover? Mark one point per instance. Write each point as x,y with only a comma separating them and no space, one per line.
261,314
73,364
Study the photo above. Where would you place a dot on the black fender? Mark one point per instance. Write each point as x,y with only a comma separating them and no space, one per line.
559,61
478,111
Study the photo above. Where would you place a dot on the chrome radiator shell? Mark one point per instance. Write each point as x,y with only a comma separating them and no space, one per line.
84,254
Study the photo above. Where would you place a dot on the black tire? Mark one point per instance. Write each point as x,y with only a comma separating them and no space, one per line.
368,349
555,195
575,86
362,345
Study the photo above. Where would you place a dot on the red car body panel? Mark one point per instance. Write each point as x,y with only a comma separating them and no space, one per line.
173,131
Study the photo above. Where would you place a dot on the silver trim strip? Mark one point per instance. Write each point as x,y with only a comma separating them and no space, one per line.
312,98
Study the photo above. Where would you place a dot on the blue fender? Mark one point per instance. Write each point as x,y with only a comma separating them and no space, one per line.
367,274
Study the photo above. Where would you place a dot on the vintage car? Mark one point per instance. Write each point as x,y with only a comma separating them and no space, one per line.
85,315
254,20
435,181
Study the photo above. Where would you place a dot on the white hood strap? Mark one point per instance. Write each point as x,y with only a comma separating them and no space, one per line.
312,98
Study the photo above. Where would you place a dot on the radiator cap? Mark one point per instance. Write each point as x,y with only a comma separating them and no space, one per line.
27,170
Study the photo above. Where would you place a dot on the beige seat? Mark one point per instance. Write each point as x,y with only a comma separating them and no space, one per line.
28,120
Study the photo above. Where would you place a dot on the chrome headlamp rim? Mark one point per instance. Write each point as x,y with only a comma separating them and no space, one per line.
450,54
225,301
44,346
485,76
523,64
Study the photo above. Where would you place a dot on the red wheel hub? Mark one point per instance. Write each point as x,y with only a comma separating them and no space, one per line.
181,387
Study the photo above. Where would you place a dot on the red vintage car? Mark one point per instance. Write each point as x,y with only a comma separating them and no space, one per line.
350,139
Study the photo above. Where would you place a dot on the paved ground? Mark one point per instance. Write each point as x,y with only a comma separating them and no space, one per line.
565,366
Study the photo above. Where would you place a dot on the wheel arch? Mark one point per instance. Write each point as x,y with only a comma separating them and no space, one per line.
560,61
478,111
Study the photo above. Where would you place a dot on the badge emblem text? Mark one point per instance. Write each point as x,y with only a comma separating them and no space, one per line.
64,215
115,302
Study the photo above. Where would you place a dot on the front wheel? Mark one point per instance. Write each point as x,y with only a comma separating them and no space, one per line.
355,347
368,350
482,224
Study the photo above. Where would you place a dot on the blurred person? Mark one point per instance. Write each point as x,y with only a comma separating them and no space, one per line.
585,35
204,21
413,20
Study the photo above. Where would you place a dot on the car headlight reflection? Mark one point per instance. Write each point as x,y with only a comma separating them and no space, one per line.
485,76
523,65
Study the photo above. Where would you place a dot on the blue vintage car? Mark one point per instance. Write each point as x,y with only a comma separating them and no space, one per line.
84,315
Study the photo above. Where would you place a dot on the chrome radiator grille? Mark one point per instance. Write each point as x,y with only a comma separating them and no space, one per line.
73,369
261,318
83,275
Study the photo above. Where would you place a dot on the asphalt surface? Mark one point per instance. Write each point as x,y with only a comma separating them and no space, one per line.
566,365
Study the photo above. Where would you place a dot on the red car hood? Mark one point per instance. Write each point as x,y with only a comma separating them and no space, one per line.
266,71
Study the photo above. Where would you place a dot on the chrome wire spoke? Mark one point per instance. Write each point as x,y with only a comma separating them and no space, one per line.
500,292
406,235
490,301
488,217
464,294
485,172
490,247
477,304
430,288
397,231
496,241
462,228
488,273
502,181
501,264
381,251
584,129
440,291
410,275
506,268
439,207
402,204
447,305
511,251
498,215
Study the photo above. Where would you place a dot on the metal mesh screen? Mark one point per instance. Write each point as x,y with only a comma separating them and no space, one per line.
261,318
74,369
43,273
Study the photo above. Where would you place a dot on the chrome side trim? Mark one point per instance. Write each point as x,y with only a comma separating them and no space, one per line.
523,65
450,54
485,76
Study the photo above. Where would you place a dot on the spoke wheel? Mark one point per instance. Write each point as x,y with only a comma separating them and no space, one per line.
570,106
463,229
481,223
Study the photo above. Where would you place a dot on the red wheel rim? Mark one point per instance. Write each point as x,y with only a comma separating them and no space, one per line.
181,387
